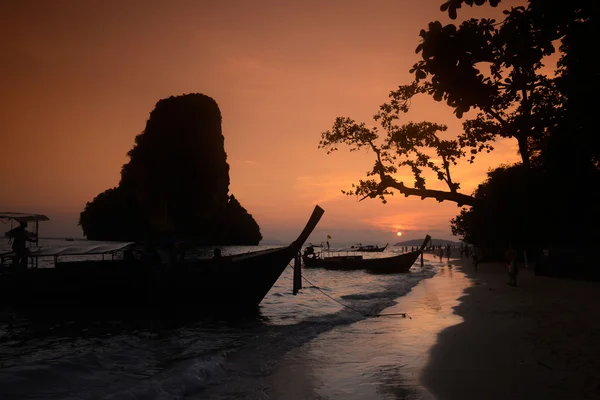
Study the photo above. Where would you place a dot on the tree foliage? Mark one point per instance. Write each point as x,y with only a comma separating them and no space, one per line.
538,28
491,68
402,146
112,215
176,182
239,226
525,208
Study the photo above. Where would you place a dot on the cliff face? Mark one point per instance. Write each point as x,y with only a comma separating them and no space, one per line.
176,182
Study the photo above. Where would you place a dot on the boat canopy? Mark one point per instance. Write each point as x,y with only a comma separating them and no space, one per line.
23,217
80,250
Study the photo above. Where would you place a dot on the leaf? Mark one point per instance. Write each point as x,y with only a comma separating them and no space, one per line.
452,13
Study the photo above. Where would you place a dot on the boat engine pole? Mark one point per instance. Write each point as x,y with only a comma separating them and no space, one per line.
297,274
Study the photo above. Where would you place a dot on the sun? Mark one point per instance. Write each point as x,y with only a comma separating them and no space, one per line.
399,233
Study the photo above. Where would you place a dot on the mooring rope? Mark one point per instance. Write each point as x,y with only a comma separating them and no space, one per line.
403,315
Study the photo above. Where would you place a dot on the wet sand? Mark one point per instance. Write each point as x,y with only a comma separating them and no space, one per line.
539,340
471,336
376,358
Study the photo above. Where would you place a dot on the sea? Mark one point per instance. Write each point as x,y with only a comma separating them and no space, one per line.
211,358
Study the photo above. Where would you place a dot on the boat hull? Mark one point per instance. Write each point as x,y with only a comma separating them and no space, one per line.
371,249
388,265
232,283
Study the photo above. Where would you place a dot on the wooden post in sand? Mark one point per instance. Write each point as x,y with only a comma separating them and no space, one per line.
421,259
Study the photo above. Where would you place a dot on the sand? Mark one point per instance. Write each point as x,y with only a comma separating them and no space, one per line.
539,340
471,336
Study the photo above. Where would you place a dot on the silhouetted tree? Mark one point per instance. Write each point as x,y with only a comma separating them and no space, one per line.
575,25
494,68
176,181
241,228
523,207
490,67
558,203
112,215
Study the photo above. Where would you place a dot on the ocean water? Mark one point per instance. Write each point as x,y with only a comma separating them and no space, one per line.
210,358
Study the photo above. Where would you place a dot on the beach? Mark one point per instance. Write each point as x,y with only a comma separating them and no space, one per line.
376,358
467,335
538,340
470,336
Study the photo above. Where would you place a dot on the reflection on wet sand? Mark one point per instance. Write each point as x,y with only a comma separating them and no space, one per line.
377,358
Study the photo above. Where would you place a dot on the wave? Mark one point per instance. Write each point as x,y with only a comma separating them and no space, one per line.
203,359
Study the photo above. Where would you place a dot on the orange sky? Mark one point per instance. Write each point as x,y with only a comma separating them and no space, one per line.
79,79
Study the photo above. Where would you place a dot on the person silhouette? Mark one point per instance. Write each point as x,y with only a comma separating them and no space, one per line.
511,260
20,236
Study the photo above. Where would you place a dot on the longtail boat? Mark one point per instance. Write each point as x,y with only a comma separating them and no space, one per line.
237,282
387,265
369,248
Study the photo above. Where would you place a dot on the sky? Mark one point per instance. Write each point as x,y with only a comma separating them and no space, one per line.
80,77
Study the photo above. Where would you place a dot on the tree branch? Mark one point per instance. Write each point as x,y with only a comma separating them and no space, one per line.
389,182
497,116
448,178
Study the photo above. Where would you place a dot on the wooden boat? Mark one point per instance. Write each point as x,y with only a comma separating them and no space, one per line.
389,265
369,248
234,283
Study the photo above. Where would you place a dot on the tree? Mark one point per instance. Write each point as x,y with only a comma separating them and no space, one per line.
522,207
241,228
574,24
491,68
555,203
495,70
112,215
502,216
403,146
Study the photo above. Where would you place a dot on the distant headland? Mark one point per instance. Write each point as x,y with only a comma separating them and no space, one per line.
435,242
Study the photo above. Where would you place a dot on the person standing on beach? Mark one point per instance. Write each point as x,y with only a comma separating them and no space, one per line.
476,252
511,260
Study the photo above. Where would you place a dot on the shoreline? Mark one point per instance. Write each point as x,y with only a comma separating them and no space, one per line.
375,358
536,340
